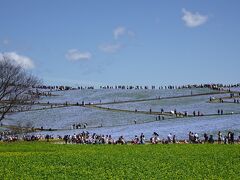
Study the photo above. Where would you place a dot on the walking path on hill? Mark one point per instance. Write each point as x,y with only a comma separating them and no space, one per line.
162,98
117,125
50,105
166,115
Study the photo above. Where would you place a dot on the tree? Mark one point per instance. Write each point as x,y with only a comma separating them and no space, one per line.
15,86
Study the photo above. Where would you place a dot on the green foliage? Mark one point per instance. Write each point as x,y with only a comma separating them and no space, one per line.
38,160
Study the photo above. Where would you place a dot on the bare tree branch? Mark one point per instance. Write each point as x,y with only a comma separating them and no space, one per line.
15,83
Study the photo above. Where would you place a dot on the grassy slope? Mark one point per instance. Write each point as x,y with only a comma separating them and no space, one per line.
52,161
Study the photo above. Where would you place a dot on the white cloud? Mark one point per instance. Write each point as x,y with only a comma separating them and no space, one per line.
122,31
21,60
131,33
6,42
119,31
110,48
193,19
76,55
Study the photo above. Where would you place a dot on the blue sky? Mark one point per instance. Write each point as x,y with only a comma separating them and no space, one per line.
79,42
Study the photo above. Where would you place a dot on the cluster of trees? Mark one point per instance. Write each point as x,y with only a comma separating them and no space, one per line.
15,85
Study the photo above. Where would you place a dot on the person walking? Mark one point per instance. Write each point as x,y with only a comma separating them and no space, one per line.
219,137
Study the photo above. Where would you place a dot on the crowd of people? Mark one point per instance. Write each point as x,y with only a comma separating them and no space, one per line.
65,88
226,139
88,138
